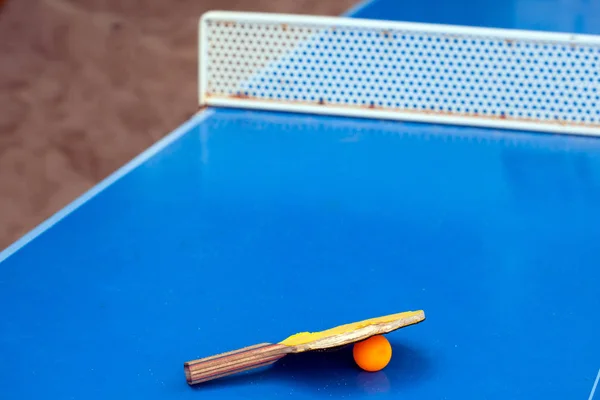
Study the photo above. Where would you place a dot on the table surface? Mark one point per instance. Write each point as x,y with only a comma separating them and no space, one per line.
243,227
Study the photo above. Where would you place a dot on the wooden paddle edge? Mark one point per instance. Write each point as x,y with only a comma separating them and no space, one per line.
360,334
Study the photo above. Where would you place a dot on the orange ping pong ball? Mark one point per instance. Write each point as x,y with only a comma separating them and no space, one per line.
372,354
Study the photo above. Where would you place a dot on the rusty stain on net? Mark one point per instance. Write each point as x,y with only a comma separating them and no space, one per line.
240,95
502,116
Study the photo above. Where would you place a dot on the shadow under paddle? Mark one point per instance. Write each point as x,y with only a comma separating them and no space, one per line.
335,373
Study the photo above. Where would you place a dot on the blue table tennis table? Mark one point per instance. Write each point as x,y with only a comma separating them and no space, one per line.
242,227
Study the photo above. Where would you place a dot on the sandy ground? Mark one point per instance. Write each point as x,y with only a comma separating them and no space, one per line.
87,85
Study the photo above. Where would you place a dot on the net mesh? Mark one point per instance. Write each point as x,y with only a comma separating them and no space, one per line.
403,70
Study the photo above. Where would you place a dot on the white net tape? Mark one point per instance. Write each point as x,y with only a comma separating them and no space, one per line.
498,78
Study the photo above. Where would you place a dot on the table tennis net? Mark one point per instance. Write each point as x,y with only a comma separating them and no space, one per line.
415,72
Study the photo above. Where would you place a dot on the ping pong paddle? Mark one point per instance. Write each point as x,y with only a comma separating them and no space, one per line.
260,355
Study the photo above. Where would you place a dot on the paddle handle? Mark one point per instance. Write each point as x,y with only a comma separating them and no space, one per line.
209,368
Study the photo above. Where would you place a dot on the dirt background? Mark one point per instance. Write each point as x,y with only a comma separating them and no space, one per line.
86,85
